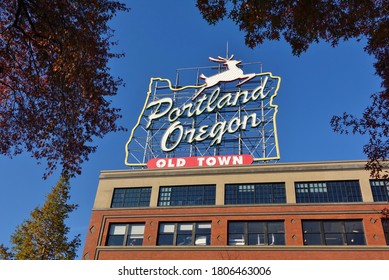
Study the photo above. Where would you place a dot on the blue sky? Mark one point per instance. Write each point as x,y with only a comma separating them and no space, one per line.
161,36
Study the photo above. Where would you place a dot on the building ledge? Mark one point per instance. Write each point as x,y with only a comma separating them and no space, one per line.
244,248
324,166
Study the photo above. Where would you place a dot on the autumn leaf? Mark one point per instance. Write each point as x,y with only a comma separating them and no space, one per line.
55,84
302,23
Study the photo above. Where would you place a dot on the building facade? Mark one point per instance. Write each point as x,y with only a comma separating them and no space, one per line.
318,210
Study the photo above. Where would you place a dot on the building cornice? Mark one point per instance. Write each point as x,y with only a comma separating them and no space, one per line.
234,170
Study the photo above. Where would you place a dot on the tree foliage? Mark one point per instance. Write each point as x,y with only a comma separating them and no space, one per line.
302,23
55,84
44,235
5,253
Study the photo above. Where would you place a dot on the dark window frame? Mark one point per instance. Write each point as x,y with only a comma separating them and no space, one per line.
262,193
131,197
380,190
187,195
184,238
266,237
385,225
328,191
112,239
324,232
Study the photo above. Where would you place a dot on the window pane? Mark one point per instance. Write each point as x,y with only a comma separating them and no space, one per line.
256,227
325,192
385,225
236,239
203,240
185,227
311,227
136,229
312,239
257,239
184,239
167,228
125,234
131,197
135,240
330,232
276,239
356,239
203,225
256,233
333,226
115,240
203,228
380,190
117,229
275,227
334,239
184,234
354,226
165,239
263,193
187,195
236,227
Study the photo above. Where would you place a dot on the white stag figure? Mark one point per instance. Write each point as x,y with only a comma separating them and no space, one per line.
232,73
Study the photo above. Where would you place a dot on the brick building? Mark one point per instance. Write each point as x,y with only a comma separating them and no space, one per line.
318,210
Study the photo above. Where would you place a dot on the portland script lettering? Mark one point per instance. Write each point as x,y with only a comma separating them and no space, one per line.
164,107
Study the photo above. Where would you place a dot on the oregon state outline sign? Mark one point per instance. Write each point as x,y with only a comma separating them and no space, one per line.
224,118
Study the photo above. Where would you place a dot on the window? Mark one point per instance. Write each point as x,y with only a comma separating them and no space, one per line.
324,192
131,197
333,232
380,190
385,225
255,193
187,195
256,233
126,234
184,234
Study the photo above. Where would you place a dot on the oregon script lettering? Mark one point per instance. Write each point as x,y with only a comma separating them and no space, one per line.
164,107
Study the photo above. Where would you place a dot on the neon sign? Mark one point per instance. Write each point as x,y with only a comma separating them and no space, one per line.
208,124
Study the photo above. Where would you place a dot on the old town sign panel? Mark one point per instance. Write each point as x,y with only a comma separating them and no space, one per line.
210,116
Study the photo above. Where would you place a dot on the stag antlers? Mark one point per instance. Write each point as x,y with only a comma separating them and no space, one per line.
232,73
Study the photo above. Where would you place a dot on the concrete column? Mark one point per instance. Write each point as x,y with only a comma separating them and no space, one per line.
290,191
220,194
367,195
154,196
